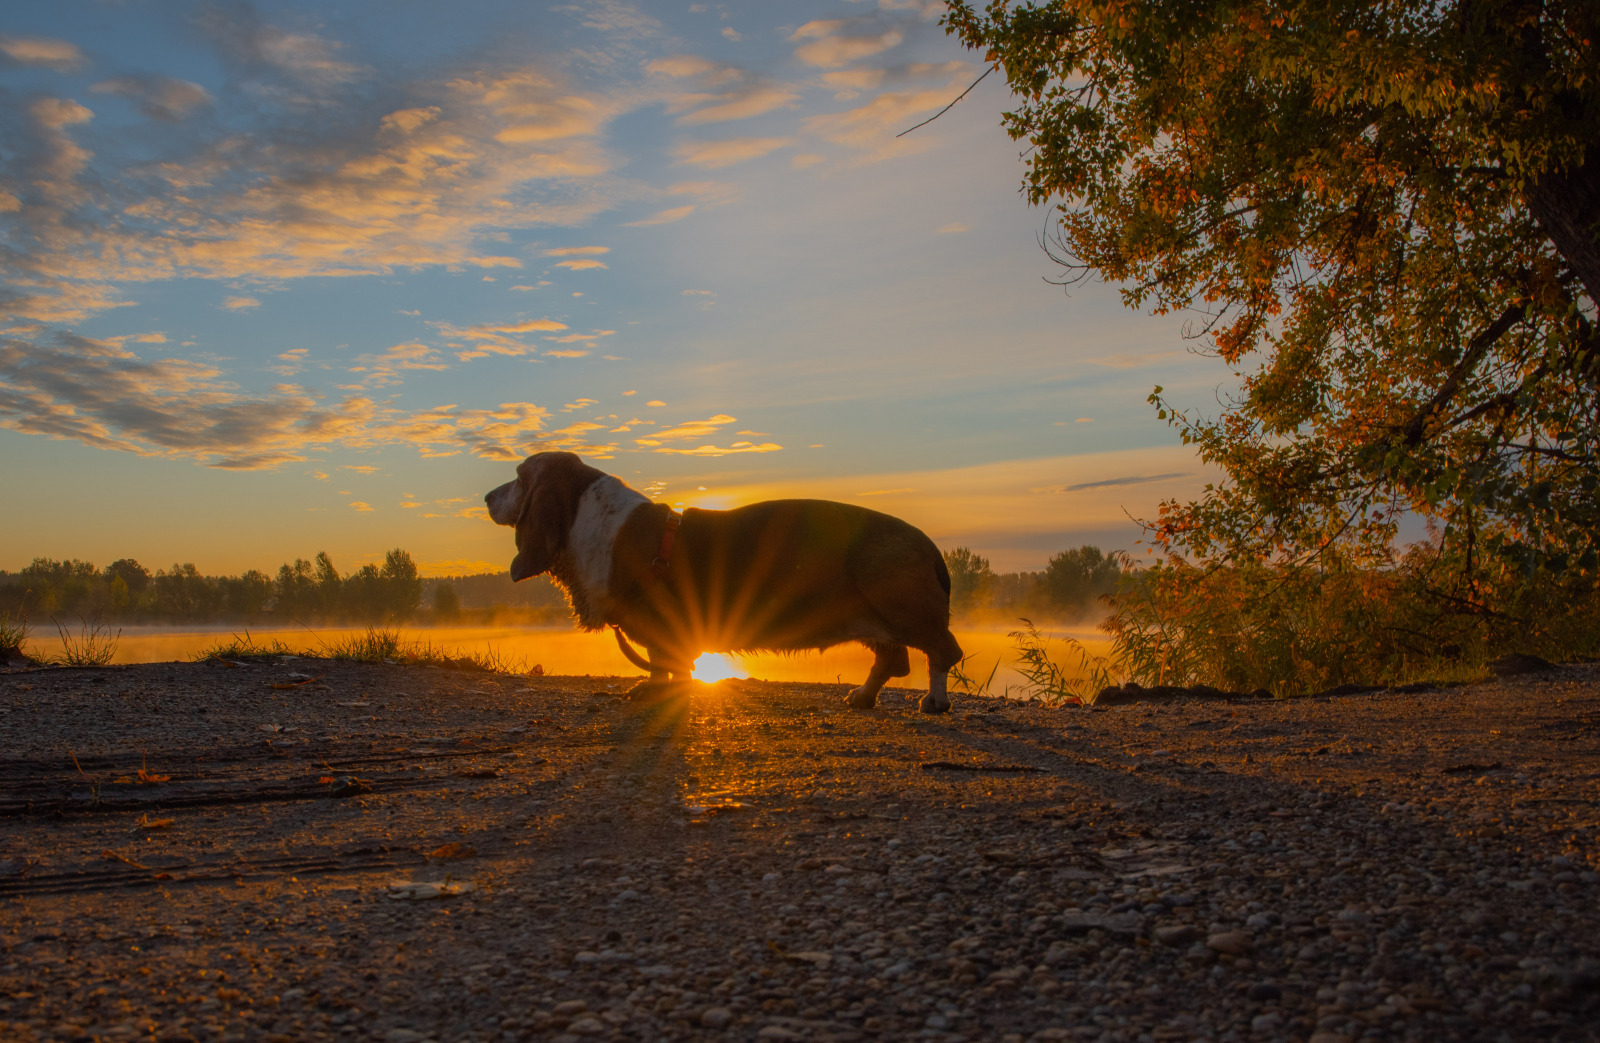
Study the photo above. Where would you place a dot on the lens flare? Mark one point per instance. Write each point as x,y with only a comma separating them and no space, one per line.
714,666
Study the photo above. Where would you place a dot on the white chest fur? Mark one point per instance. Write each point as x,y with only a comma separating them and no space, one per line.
602,509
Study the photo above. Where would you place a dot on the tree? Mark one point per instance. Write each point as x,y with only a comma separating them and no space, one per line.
404,589
1388,216
294,593
446,603
133,575
970,578
1074,578
330,591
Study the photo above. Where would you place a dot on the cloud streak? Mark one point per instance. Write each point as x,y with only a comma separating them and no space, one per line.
101,394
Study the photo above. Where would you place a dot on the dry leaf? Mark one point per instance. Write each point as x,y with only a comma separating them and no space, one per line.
420,890
454,849
294,684
115,857
146,823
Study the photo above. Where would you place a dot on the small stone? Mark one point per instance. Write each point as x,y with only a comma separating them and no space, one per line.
569,1008
1230,943
402,1036
716,1017
1263,991
777,1032
1328,1037
1267,1022
587,1026
936,1021
1177,936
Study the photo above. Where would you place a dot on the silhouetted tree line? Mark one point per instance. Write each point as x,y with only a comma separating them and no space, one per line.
1069,587
127,592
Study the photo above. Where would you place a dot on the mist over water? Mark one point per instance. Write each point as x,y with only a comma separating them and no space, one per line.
563,650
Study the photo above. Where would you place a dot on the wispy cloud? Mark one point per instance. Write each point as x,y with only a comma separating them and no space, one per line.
663,217
712,450
728,92
159,97
1111,483
70,387
240,303
383,370
714,155
840,41
39,50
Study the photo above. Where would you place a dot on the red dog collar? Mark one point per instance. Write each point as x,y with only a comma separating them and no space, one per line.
669,536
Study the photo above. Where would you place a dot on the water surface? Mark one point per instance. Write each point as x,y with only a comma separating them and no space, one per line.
563,650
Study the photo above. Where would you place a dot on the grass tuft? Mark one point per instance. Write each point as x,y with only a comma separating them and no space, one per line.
13,635
374,645
246,647
1051,683
94,645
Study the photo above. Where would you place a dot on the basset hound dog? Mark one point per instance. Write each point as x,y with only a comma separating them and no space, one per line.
783,575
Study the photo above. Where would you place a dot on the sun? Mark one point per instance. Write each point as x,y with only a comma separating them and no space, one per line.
714,666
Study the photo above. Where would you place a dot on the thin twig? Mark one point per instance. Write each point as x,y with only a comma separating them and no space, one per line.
950,106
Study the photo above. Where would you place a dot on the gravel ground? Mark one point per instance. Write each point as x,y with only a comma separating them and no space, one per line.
189,852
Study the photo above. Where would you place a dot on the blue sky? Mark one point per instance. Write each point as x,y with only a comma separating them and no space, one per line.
289,277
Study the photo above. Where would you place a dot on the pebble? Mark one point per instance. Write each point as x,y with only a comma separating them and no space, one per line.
716,1017
1230,943
587,1026
1177,936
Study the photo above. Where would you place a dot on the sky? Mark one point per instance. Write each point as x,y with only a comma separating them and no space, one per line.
289,277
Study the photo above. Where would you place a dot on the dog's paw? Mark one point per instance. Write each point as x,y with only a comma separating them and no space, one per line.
861,699
654,691
931,705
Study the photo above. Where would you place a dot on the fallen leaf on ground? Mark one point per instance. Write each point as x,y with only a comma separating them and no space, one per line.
294,684
345,785
421,890
146,822
115,857
454,849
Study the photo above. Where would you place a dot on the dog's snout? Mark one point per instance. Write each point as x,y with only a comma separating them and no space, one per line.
504,503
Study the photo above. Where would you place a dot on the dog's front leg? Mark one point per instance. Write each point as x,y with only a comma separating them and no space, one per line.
668,673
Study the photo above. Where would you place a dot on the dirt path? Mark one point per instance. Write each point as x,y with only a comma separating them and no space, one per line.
757,862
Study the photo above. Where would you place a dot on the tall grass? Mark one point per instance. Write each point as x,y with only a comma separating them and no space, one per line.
1050,682
93,645
13,636
373,645
1293,630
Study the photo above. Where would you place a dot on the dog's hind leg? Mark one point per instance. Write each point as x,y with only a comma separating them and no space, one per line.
945,654
887,661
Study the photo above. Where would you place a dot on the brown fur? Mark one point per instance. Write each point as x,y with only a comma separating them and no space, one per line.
782,575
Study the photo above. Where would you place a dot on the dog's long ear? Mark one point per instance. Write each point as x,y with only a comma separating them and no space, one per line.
552,484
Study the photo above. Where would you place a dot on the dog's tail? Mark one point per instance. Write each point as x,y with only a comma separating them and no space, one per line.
632,653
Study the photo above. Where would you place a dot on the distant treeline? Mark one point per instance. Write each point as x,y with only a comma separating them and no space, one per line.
302,591
1069,588
315,591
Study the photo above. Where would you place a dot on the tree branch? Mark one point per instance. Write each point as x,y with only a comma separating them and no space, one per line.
950,106
1478,347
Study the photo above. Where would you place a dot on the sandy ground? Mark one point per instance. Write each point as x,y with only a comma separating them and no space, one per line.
189,852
